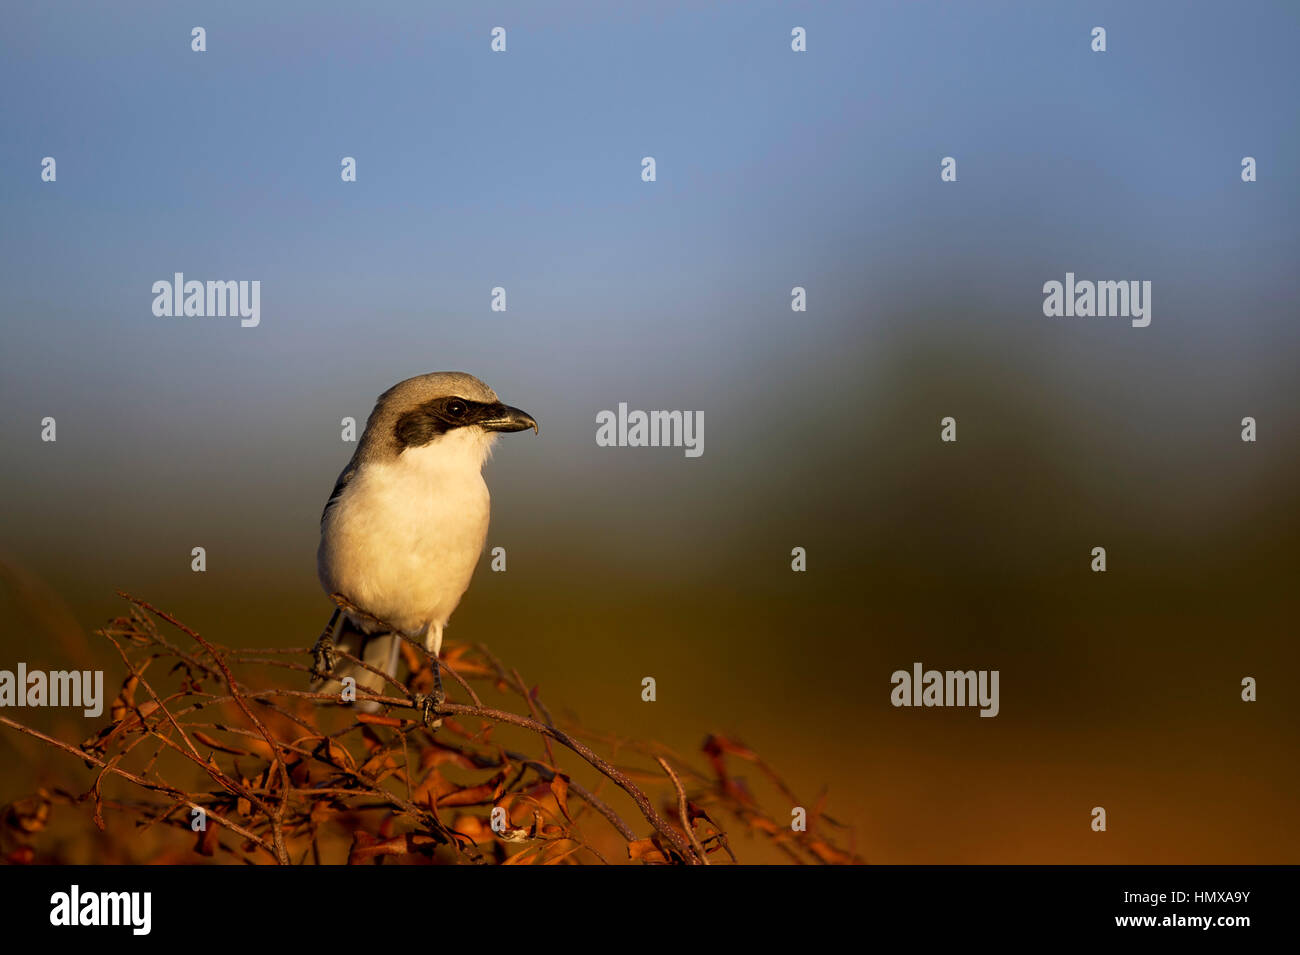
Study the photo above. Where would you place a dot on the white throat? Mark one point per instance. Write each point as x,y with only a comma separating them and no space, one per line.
462,449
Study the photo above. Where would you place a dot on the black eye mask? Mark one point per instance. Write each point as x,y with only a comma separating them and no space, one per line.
440,415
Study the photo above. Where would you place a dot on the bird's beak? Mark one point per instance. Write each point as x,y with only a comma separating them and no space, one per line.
505,418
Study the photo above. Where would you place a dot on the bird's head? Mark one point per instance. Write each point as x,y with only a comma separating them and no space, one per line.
446,407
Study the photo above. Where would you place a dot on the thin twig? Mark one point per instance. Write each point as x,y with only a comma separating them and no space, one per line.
682,810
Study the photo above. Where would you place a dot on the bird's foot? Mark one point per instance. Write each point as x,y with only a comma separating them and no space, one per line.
427,704
323,658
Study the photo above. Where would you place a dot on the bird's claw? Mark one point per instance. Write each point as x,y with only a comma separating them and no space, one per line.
427,704
323,658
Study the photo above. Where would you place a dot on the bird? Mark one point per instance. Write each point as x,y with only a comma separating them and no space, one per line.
405,524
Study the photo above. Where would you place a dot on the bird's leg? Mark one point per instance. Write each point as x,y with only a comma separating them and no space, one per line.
432,700
439,695
323,652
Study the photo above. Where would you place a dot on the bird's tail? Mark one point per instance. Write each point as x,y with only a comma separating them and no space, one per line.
379,650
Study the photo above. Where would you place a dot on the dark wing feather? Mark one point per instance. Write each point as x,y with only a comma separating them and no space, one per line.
339,486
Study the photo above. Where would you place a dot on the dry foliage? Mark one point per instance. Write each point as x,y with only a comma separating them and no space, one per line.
201,726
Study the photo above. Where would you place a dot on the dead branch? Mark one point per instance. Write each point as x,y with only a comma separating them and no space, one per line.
221,761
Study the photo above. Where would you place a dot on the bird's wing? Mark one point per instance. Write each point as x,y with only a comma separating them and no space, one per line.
339,487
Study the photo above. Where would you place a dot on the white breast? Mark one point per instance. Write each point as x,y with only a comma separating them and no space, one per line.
404,537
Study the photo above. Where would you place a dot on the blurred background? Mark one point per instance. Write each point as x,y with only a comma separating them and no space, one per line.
775,169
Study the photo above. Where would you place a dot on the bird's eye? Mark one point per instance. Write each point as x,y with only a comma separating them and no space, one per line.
456,409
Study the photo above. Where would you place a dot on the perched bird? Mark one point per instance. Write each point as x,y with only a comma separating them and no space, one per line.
406,523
